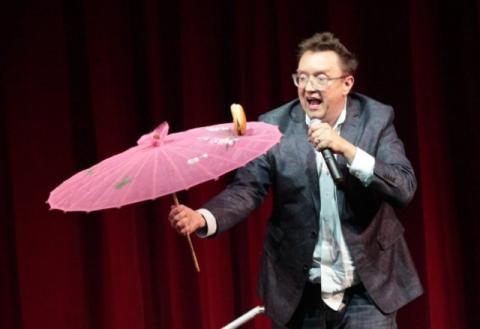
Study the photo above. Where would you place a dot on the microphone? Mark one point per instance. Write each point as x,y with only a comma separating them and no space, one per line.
330,160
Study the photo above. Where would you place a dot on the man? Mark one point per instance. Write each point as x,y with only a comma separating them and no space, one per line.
334,256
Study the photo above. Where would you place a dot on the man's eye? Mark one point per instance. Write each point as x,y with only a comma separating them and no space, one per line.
322,78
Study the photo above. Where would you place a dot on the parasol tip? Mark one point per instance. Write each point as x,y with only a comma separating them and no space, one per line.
156,137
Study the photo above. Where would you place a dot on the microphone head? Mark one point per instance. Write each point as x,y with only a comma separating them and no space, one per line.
314,120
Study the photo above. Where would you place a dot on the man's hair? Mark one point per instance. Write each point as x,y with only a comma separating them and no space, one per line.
326,41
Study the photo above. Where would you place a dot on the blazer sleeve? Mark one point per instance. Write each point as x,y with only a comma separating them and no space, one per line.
246,192
393,175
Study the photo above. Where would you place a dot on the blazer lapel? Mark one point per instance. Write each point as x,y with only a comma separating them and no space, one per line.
350,127
350,131
306,153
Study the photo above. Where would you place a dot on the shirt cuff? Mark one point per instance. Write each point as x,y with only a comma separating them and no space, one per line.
362,166
211,222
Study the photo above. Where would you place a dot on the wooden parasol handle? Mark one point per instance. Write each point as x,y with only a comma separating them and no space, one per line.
192,251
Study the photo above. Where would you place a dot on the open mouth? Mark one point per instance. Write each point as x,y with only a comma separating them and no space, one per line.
313,102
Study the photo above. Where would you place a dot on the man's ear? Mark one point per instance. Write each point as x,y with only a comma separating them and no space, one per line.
348,84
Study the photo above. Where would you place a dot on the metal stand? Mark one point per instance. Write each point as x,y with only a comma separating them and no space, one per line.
245,317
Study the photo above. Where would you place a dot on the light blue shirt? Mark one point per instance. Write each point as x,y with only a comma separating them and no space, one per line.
332,264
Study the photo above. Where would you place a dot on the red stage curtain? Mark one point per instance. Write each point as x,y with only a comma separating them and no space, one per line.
81,80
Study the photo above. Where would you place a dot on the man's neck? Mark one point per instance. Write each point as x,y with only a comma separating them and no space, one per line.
332,121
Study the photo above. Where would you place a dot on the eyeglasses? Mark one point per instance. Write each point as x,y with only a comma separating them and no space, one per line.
321,81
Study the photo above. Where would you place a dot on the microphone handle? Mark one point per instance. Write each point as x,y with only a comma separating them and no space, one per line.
330,160
332,166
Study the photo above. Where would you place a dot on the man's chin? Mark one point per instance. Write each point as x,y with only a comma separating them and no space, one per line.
315,112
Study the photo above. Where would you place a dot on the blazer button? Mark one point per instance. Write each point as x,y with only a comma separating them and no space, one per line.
313,235
305,268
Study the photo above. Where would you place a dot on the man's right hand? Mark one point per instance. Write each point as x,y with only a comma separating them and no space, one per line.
185,220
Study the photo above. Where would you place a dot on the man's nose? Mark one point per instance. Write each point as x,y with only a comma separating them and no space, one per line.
310,86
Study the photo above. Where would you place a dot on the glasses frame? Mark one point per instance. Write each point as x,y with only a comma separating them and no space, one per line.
326,80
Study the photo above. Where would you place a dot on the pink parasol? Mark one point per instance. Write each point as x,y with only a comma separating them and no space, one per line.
163,164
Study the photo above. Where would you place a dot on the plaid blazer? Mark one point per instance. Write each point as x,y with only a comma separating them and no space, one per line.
369,224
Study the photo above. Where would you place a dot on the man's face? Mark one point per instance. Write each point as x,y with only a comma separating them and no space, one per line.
323,101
